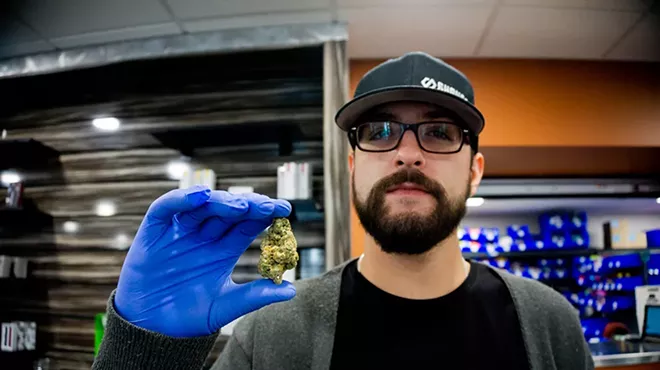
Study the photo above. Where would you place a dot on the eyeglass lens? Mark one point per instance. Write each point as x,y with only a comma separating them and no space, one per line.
437,137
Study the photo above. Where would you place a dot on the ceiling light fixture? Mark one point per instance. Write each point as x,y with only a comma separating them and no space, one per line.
105,208
475,202
106,123
657,200
176,169
10,177
122,241
71,227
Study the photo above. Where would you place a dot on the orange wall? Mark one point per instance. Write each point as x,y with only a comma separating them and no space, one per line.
607,107
560,103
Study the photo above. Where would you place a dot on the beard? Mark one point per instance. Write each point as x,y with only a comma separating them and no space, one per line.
409,233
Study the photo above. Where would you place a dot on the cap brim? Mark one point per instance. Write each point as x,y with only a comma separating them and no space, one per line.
351,111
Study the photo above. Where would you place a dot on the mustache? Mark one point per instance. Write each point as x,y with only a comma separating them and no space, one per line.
410,175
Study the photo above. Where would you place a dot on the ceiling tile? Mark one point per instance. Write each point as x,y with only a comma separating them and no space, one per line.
257,20
554,33
389,32
385,3
32,47
121,34
71,17
642,43
633,5
190,9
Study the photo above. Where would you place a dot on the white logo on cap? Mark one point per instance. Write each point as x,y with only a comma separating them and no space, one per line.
430,83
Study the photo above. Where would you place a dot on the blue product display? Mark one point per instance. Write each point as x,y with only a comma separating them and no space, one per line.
518,231
551,222
489,235
555,240
471,247
624,261
578,239
653,238
463,233
553,262
537,242
594,327
626,284
577,221
470,234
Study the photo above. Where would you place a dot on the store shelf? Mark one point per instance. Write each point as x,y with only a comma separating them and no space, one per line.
25,154
18,221
305,210
561,253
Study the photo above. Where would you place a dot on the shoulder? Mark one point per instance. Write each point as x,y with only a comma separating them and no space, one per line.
540,298
316,298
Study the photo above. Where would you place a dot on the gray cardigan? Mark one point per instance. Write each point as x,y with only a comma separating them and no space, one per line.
299,334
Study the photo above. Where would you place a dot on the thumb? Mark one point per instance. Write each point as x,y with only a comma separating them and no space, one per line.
252,296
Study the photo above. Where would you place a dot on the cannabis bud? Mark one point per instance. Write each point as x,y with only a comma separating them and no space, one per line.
278,251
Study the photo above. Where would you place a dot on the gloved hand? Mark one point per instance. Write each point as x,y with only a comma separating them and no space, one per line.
176,279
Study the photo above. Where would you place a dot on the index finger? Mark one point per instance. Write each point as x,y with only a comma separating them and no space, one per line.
179,200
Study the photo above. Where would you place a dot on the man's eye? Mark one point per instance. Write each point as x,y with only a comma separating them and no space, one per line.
439,134
379,133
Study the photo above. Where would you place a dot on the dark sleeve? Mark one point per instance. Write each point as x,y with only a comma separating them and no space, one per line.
237,353
129,347
569,345
583,357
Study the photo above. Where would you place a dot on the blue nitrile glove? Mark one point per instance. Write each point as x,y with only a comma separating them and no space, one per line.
176,279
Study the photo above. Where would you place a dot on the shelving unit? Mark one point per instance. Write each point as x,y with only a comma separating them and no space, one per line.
19,293
601,294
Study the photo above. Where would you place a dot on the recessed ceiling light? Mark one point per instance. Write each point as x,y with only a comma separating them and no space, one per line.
657,200
105,208
71,227
122,241
9,177
475,202
176,169
106,123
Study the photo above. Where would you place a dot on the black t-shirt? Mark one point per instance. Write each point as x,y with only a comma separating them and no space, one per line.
473,327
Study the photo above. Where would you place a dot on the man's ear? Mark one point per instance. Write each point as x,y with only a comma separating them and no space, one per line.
351,161
476,172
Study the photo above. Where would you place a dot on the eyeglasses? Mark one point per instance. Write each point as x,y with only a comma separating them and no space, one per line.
384,136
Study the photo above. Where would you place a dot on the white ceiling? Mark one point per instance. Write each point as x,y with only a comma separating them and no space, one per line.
572,29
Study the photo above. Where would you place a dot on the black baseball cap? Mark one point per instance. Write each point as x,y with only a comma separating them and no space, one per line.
415,76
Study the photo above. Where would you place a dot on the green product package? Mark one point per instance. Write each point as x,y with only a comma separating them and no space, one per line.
99,329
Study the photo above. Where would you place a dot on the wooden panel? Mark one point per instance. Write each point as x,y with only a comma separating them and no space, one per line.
633,367
206,111
543,161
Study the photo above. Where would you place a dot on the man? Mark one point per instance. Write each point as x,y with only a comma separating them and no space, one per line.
409,302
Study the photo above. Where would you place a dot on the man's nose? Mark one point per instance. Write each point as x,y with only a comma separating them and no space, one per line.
409,153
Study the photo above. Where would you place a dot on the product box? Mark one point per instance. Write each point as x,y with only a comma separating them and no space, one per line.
202,176
551,222
304,186
618,235
18,336
518,231
286,180
9,337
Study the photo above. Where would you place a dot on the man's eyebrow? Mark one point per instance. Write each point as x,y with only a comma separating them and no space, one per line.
440,113
378,116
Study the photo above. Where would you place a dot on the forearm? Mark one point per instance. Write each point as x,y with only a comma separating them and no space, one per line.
127,346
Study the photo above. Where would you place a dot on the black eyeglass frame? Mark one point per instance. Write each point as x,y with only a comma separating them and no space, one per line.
414,127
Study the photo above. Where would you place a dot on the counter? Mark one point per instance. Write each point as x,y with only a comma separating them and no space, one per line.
623,354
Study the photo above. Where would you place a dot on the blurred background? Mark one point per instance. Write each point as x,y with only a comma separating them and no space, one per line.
105,105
